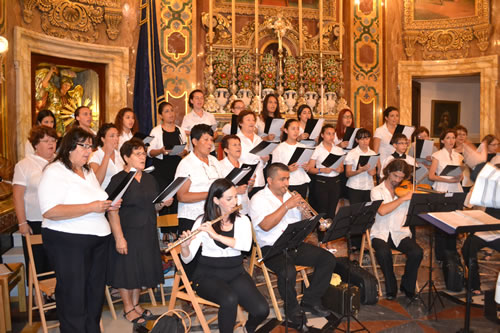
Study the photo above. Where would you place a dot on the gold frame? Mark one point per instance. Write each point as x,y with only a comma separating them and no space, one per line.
433,129
482,17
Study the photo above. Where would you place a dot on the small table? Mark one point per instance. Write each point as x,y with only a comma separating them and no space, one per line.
7,283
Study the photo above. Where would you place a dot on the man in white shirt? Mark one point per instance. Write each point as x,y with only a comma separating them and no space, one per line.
272,209
388,231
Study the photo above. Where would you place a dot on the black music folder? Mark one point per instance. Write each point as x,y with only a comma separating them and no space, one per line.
350,136
367,159
234,124
170,190
406,130
451,170
241,176
273,126
313,127
423,148
122,187
333,161
301,155
264,148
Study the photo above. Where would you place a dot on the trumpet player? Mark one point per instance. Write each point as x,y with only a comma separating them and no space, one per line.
219,275
272,209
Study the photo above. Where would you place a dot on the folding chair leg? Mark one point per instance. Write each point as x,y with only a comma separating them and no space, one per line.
30,298
366,237
271,293
152,296
162,294
110,302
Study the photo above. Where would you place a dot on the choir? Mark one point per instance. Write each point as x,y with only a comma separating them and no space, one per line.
64,196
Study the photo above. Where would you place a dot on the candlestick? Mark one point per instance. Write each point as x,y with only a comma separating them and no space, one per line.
210,22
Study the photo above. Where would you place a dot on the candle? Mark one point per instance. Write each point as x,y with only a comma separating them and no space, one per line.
301,37
210,22
322,98
320,25
280,45
341,25
233,26
257,26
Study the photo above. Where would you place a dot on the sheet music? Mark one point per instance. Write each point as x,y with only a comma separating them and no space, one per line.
352,141
336,164
424,148
371,159
317,128
421,173
478,191
177,150
170,190
238,175
275,127
464,218
264,148
131,175
451,171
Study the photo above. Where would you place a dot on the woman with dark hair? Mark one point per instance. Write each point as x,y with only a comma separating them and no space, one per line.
344,120
219,276
304,113
135,258
443,157
83,119
165,137
491,142
126,125
75,232
271,109
106,160
327,185
382,137
236,107
27,174
422,133
299,179
43,118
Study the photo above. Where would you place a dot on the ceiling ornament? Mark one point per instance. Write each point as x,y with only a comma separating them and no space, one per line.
76,20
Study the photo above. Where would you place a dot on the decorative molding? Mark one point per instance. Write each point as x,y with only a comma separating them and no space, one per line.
486,66
448,38
27,42
77,19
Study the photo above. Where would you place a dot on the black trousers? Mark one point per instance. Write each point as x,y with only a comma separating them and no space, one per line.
321,260
413,254
80,265
327,195
228,294
42,263
471,247
301,189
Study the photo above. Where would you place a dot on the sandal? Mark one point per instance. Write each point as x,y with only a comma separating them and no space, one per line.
136,321
146,314
477,292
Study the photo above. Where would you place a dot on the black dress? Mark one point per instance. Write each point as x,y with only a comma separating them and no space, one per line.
142,266
164,172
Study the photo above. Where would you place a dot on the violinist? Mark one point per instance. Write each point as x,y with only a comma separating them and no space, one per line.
389,233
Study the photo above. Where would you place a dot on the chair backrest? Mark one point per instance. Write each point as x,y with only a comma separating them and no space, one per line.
169,220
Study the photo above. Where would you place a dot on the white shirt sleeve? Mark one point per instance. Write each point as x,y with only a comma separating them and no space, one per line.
195,242
242,234
52,189
20,177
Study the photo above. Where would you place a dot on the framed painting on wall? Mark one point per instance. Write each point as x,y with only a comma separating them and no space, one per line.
444,115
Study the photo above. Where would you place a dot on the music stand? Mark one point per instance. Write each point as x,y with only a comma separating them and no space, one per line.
354,219
290,239
458,230
425,203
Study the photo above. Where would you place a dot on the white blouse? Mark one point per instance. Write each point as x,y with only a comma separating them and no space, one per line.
201,176
242,235
157,142
113,167
264,203
27,173
28,148
391,223
363,180
123,138
226,168
385,137
247,158
282,154
321,153
444,159
61,186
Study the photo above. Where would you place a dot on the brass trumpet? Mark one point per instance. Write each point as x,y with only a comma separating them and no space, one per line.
308,212
197,231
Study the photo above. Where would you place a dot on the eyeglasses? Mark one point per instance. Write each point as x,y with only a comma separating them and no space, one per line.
402,143
49,141
141,154
84,145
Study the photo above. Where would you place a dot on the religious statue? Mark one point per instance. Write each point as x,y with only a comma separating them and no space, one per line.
49,96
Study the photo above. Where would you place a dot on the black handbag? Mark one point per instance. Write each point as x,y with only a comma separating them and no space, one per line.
172,322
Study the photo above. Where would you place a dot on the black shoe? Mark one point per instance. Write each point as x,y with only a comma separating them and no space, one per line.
297,320
411,295
390,296
317,310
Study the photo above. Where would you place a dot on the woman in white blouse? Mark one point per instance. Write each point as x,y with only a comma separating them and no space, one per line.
219,276
231,145
126,125
43,118
299,179
76,233
440,159
27,174
106,160
304,113
327,185
270,109
246,121
383,134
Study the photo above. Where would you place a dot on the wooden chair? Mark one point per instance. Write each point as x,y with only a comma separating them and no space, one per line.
187,293
169,220
47,286
256,261
395,255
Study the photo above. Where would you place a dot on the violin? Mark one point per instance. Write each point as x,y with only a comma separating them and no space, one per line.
407,186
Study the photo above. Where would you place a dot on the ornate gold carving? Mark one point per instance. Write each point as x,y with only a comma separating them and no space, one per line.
410,39
76,19
482,33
